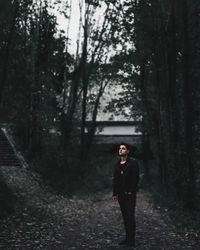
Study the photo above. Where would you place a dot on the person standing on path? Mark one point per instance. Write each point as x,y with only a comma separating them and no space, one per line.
125,185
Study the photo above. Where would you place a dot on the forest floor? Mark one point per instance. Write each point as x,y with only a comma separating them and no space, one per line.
47,221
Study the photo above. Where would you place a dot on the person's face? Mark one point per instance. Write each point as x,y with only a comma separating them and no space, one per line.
123,151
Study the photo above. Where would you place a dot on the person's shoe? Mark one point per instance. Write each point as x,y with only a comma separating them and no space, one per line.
123,242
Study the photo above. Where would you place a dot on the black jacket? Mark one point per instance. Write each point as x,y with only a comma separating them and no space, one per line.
126,178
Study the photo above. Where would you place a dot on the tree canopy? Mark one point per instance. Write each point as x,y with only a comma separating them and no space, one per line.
47,93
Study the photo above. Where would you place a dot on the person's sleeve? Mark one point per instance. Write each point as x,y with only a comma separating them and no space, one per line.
135,177
114,181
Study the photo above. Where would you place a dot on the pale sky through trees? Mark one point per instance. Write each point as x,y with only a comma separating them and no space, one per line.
63,22
74,22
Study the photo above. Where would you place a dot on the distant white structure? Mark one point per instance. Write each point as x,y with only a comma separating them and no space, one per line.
116,128
112,132
112,93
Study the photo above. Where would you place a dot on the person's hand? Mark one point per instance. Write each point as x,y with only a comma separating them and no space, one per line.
115,198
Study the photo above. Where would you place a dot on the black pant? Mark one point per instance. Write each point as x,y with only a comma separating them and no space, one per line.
127,205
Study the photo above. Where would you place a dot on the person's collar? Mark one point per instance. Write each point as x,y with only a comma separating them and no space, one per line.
127,159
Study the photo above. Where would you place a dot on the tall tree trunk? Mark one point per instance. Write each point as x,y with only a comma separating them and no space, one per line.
188,109
85,81
5,68
146,114
91,130
35,131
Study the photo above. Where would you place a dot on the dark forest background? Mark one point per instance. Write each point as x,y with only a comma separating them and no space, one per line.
47,93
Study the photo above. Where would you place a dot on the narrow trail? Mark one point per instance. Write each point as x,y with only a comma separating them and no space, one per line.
46,221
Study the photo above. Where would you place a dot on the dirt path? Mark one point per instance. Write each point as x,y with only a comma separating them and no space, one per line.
43,220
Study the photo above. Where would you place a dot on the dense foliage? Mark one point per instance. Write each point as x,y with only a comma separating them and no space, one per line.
47,93
163,73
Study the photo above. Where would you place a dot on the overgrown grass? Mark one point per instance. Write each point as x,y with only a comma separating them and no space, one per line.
7,199
98,175
185,220
67,175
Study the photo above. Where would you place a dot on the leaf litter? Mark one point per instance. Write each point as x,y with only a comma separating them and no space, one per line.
48,221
